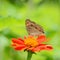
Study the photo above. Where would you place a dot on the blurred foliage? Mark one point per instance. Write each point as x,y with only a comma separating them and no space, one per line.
13,14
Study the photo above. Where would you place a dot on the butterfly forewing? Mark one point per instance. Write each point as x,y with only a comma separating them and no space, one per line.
33,28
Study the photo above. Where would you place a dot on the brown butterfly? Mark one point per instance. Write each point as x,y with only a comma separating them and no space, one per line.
33,29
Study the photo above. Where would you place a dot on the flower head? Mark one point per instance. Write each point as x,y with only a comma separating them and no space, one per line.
31,43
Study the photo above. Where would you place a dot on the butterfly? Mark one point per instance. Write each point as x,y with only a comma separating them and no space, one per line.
33,29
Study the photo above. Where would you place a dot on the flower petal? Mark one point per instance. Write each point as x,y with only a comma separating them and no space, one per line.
25,37
42,47
41,38
20,39
21,47
45,47
17,41
35,49
14,44
48,47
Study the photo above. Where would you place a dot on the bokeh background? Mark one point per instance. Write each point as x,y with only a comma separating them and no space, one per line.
13,14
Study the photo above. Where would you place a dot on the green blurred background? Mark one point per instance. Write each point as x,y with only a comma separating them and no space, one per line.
13,14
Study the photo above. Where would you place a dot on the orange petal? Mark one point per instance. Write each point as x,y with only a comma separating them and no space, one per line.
42,47
17,41
20,39
13,44
41,38
25,37
21,47
48,47
45,47
36,49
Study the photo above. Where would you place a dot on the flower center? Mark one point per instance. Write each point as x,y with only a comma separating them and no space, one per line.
31,42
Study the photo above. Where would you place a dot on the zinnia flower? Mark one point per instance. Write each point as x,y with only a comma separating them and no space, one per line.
31,43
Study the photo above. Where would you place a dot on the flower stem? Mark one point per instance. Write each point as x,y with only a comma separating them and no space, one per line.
29,55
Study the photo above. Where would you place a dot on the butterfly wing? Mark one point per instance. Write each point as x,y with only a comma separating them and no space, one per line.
33,28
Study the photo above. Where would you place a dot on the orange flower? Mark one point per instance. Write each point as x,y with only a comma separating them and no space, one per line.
31,43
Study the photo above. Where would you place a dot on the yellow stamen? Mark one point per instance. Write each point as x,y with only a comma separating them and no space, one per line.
31,42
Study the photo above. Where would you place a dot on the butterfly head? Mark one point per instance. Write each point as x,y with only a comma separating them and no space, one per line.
28,22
